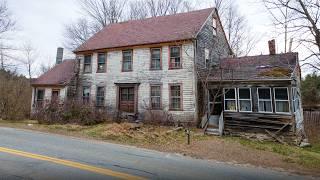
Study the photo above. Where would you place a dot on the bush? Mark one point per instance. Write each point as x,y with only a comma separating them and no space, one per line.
15,96
69,112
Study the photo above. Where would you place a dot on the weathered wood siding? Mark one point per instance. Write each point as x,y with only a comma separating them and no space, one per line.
214,40
142,74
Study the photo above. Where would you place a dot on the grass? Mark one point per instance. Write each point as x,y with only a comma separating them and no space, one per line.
308,157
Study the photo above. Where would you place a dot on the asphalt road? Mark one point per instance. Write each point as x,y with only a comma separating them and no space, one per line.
33,155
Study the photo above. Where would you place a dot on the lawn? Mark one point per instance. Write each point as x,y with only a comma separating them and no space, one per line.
227,149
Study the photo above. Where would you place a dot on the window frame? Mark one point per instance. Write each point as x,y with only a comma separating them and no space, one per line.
275,101
105,62
271,102
225,99
169,55
251,107
83,97
206,57
294,99
181,97
160,102
86,64
58,96
97,96
122,66
151,59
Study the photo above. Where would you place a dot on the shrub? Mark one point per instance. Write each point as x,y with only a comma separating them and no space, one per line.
71,111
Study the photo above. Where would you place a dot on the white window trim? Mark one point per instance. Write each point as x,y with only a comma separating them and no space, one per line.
275,101
224,100
294,99
244,99
264,100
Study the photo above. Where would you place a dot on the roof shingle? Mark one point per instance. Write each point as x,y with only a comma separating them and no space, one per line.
153,30
279,66
60,74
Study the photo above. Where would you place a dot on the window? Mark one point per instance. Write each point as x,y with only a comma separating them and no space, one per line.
55,94
127,94
127,60
230,100
40,97
155,96
100,96
87,64
206,56
295,99
175,57
264,100
245,101
101,63
281,100
86,94
155,59
175,97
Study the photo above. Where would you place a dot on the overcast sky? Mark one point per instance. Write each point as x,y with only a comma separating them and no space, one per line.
42,23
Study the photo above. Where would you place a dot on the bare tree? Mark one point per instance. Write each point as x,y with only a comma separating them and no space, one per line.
7,25
299,19
28,58
104,12
77,33
137,10
236,27
100,13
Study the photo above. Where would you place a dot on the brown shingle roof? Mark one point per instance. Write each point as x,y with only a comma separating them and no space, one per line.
60,74
279,66
170,28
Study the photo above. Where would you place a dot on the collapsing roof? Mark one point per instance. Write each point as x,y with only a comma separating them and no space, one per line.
262,67
59,75
182,26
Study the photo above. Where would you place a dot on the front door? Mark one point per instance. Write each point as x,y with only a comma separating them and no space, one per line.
215,107
126,97
55,95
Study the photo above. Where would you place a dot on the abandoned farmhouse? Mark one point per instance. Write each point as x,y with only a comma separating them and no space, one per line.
181,64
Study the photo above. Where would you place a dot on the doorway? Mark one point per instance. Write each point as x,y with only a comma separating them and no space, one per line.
127,99
214,107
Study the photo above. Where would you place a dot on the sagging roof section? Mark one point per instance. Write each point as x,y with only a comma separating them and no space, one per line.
262,67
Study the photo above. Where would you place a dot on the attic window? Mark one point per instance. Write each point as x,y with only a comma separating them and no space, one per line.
207,60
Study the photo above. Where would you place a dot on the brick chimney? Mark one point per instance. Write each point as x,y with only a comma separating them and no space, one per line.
272,47
59,55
